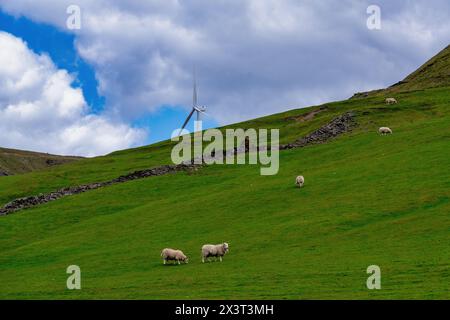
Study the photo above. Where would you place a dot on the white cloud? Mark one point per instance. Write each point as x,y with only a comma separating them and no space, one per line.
40,110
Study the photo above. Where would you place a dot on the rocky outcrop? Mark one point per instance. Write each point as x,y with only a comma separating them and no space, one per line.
3,173
27,202
53,162
337,126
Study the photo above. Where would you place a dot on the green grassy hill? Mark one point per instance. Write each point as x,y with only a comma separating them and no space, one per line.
368,199
14,161
434,73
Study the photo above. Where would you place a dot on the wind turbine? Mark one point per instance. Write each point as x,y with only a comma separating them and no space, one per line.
195,107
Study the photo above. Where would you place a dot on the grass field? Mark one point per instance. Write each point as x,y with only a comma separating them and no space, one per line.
368,199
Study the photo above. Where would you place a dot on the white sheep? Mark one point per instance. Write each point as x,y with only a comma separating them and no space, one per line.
385,130
214,250
300,181
390,100
173,255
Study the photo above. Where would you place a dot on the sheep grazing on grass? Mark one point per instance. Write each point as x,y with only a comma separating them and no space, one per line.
385,130
390,100
214,250
300,181
173,255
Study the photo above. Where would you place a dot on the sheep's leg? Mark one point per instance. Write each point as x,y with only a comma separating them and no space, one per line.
203,259
178,261
164,261
220,259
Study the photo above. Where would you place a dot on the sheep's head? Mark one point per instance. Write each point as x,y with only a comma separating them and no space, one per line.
225,247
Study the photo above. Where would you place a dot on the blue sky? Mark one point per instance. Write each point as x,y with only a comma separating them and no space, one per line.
124,79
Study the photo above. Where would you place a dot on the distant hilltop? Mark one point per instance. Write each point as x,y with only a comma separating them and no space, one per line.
433,73
14,161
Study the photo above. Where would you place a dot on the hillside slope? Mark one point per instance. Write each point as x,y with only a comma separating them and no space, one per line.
433,73
368,199
14,161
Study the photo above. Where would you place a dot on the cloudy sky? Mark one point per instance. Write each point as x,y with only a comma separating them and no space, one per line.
125,77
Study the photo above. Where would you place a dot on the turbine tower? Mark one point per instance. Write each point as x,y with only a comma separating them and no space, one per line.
195,107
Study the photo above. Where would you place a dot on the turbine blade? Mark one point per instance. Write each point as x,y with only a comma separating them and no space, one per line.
206,114
194,94
187,120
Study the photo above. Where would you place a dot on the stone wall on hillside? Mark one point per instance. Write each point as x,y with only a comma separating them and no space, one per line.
334,128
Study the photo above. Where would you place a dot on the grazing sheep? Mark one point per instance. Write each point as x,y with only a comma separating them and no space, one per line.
385,130
390,100
173,255
214,250
300,181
